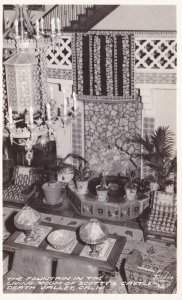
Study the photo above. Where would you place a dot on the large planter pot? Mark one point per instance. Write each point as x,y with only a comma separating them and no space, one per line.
130,192
102,193
170,189
154,186
82,187
52,192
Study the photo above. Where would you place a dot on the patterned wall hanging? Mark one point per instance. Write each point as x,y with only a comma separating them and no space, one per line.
103,65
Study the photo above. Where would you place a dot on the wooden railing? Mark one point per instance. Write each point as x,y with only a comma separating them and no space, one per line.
66,14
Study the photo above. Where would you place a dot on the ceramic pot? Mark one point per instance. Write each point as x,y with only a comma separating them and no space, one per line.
154,186
130,192
82,187
101,193
170,188
52,192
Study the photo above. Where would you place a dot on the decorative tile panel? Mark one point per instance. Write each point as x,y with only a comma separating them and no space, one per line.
148,129
155,78
148,126
155,54
42,69
78,133
60,74
114,211
36,88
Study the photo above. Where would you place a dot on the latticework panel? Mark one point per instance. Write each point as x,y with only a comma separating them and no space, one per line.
59,55
155,54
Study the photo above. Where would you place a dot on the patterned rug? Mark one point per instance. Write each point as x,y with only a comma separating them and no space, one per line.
103,65
153,253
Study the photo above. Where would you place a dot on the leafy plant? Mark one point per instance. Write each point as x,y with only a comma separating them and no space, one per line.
82,172
133,176
50,165
108,160
143,184
158,155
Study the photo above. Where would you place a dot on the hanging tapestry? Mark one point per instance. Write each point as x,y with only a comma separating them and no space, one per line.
103,65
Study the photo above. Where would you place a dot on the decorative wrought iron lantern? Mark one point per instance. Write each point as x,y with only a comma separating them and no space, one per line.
29,116
22,82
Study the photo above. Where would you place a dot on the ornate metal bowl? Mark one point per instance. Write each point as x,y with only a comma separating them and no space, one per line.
60,239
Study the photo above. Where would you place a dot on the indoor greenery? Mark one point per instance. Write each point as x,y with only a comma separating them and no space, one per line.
158,155
50,165
82,172
132,176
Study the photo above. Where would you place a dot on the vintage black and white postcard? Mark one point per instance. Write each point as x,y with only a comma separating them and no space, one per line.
90,148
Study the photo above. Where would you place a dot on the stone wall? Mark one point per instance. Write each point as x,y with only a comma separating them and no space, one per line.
111,123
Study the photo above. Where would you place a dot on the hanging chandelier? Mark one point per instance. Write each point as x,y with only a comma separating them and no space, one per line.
30,116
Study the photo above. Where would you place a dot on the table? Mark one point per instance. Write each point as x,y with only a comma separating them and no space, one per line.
107,266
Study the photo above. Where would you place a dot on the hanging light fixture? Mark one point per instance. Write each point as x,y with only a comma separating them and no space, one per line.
29,114
22,81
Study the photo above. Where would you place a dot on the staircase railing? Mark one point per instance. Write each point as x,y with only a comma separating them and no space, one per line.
66,14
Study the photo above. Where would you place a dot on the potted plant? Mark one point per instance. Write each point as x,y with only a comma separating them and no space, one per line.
82,174
131,186
102,188
50,166
159,157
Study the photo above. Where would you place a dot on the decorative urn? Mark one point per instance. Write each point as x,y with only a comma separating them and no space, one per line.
93,233
26,219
